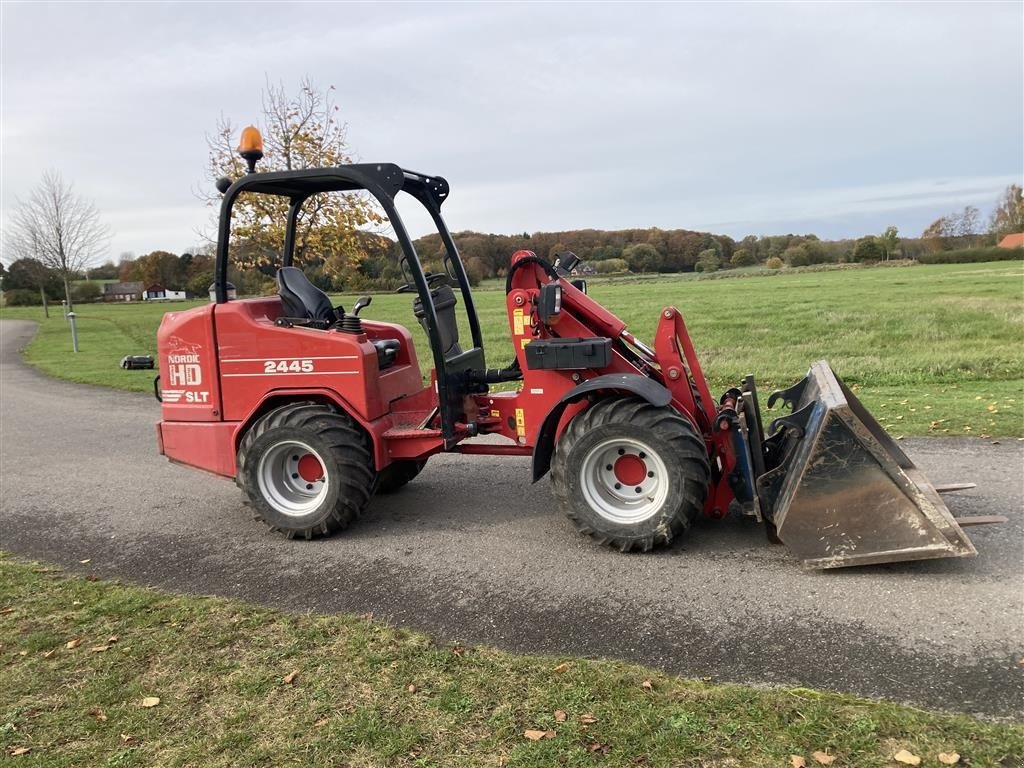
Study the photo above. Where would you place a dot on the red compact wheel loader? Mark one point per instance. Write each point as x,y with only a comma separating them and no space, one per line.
313,409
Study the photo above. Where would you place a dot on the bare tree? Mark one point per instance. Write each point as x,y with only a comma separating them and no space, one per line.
970,222
1008,215
60,229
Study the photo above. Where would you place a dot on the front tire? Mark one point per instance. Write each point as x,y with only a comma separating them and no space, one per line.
630,474
306,470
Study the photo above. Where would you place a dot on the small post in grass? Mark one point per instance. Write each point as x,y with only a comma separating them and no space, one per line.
74,331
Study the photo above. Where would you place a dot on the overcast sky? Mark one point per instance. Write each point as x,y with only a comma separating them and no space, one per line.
734,118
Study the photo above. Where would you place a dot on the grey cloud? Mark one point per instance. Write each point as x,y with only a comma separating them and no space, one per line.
837,118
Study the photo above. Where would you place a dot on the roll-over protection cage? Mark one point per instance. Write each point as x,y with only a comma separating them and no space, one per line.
383,181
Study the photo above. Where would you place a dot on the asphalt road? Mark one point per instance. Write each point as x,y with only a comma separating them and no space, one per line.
473,553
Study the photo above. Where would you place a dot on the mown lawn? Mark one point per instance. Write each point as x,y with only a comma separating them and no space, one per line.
229,684
932,350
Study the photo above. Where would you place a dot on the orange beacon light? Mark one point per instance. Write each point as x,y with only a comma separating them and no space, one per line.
250,146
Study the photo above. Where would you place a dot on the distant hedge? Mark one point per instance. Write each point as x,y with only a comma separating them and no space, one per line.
22,297
972,255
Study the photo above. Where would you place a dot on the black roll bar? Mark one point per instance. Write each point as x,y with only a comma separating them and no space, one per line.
384,181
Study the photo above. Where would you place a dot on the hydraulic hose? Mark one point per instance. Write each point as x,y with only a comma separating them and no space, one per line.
496,375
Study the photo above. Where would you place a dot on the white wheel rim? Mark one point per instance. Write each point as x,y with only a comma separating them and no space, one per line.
604,474
287,478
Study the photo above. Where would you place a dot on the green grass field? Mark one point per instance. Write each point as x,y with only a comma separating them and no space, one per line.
932,350
244,686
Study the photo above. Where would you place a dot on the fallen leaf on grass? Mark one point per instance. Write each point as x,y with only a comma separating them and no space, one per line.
588,719
100,648
599,748
23,653
797,761
949,758
98,715
824,758
290,677
411,688
150,701
113,639
560,715
18,751
5,611
647,685
126,738
73,643
458,650
561,667
87,560
49,653
321,722
907,758
534,735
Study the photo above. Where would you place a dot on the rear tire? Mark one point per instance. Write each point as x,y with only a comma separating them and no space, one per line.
630,474
306,470
397,474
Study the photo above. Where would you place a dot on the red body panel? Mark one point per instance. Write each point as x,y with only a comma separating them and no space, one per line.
207,445
229,361
189,381
257,356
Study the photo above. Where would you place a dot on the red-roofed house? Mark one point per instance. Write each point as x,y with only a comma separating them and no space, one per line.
1016,240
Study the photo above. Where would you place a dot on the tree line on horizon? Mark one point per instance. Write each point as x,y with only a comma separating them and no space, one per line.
486,256
342,244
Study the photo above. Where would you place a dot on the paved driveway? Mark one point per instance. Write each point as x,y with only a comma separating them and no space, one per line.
473,553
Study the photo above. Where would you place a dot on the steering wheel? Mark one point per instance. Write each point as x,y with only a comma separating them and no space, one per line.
432,279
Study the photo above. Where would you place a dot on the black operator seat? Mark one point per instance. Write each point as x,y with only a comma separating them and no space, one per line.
301,300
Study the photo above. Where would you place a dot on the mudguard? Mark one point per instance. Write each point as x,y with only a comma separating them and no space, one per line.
634,383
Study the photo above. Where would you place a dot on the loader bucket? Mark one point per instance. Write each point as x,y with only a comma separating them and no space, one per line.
841,492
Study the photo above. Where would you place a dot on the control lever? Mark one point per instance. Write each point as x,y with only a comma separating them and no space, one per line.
362,301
